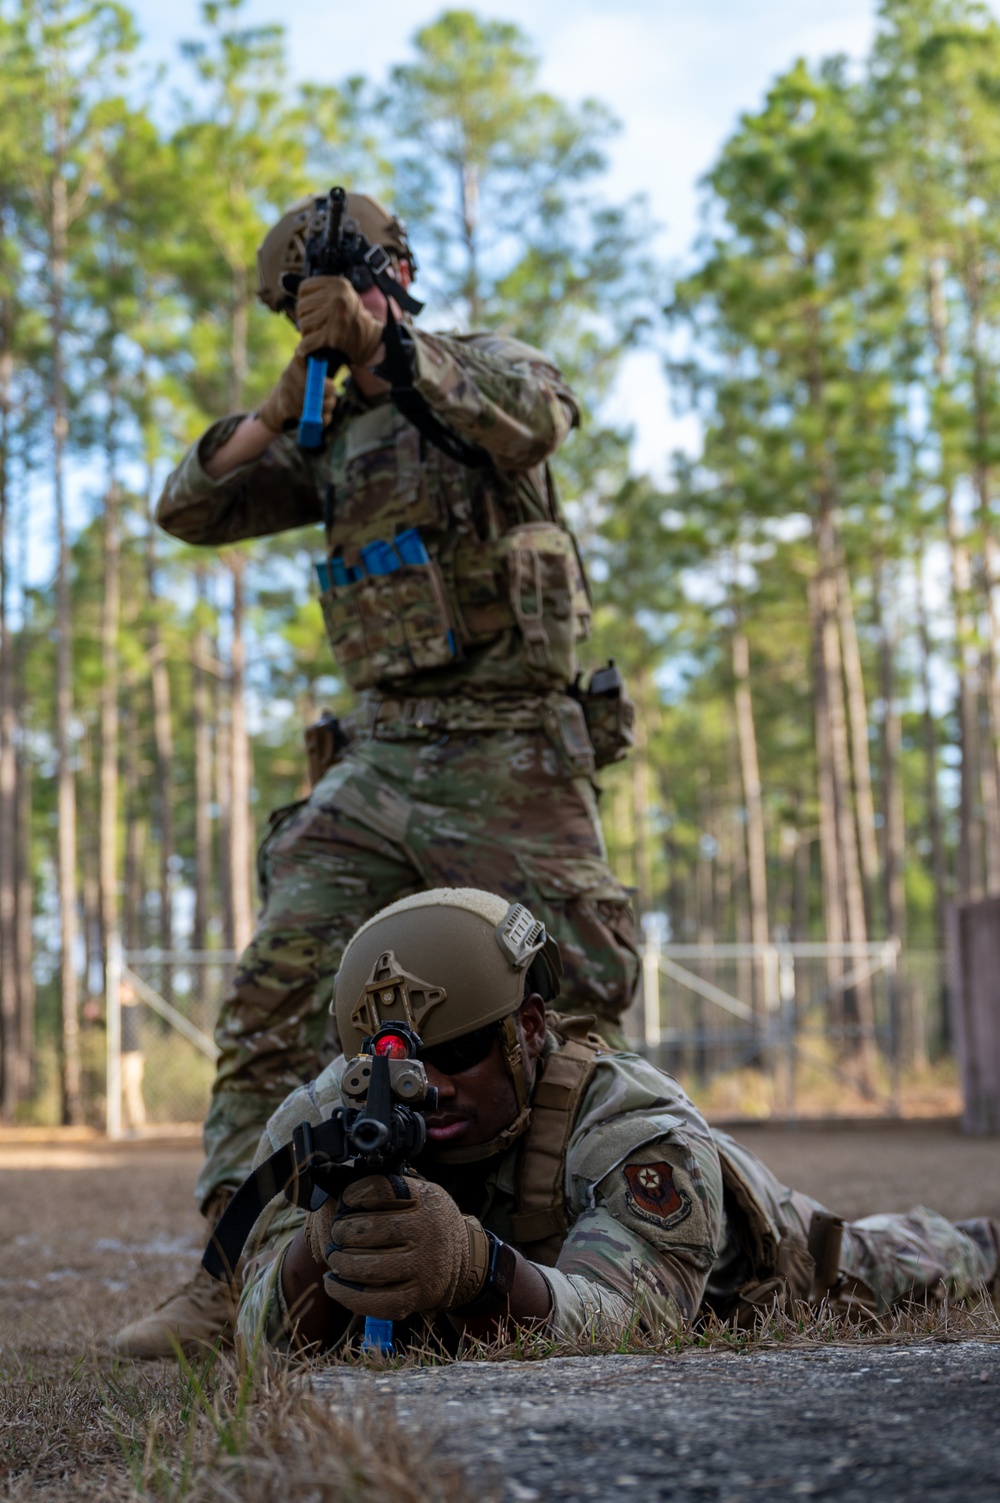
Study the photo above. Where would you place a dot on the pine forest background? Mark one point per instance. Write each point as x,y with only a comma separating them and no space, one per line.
807,612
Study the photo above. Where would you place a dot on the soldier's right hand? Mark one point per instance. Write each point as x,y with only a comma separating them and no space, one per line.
282,409
332,316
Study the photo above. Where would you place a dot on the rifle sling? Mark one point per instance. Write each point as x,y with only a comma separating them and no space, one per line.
398,371
234,1226
289,1172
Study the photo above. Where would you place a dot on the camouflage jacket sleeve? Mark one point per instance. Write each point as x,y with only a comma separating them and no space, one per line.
644,1194
499,393
274,493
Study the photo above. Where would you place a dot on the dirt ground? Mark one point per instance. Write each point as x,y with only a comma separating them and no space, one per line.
93,1233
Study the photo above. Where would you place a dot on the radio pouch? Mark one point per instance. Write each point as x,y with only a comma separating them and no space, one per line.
609,711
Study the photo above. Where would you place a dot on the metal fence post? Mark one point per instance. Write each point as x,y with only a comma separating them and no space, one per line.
786,993
892,949
113,1005
651,987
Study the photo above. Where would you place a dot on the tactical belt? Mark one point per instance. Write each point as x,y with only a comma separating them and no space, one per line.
392,718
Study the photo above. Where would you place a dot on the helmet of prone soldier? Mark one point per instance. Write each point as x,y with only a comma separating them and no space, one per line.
449,962
282,251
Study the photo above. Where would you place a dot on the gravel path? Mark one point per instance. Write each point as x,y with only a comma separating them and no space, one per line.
892,1423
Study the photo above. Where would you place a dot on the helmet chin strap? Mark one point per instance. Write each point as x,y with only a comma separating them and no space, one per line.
514,1059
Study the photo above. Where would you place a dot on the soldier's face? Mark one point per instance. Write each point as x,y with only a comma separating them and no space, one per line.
476,1105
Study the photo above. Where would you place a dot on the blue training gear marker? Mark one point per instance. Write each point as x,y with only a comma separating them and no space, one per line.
378,1336
311,423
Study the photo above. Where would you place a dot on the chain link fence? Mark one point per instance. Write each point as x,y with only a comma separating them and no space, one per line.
161,1011
779,1031
793,1030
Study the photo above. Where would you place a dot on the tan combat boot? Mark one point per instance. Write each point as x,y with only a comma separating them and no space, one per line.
200,1314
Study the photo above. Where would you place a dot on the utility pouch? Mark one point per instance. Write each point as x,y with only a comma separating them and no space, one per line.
326,741
530,580
384,627
609,711
547,598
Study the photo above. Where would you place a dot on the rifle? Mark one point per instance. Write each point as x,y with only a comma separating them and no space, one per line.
338,249
378,1129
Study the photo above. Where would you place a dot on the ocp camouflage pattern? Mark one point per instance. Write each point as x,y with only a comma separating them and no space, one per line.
472,763
639,1148
497,809
501,602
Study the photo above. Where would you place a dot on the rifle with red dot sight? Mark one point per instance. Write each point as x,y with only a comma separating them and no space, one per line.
378,1129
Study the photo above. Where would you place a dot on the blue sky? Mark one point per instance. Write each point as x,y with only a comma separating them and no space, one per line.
677,75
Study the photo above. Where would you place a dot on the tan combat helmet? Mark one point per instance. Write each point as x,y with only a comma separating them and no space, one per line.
283,247
448,962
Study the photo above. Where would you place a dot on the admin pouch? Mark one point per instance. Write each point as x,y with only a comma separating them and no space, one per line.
530,579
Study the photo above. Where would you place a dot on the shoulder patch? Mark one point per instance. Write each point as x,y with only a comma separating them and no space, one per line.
652,1194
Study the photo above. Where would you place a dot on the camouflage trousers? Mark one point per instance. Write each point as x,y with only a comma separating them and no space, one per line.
500,810
885,1259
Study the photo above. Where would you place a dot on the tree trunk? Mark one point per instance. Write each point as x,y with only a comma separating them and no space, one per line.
240,843
859,999
641,798
893,826
970,850
932,792
202,779
986,573
89,853
110,611
134,828
223,799
72,1101
857,706
754,804
240,824
24,872
970,831
14,1063
163,742
829,849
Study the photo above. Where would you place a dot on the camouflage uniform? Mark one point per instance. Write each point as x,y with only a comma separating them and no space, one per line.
472,764
657,1229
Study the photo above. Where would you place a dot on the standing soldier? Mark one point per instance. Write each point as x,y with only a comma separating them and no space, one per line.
454,600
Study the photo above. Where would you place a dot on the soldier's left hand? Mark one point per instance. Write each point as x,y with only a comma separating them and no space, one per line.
331,316
401,1246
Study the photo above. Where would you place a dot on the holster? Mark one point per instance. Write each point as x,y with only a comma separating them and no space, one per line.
326,741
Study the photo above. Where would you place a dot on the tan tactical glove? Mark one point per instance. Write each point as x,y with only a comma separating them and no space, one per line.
283,408
397,1247
331,316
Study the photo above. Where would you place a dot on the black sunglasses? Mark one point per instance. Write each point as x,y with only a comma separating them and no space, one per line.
459,1055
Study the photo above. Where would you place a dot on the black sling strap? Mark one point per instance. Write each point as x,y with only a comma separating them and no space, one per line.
396,368
289,1172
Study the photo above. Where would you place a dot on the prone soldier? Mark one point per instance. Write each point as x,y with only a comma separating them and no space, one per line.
563,1184
455,601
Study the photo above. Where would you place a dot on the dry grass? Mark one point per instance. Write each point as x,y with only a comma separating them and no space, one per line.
92,1234
222,1432
190,1433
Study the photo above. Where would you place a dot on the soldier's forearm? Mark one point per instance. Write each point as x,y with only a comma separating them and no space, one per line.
245,444
530,1302
317,1319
